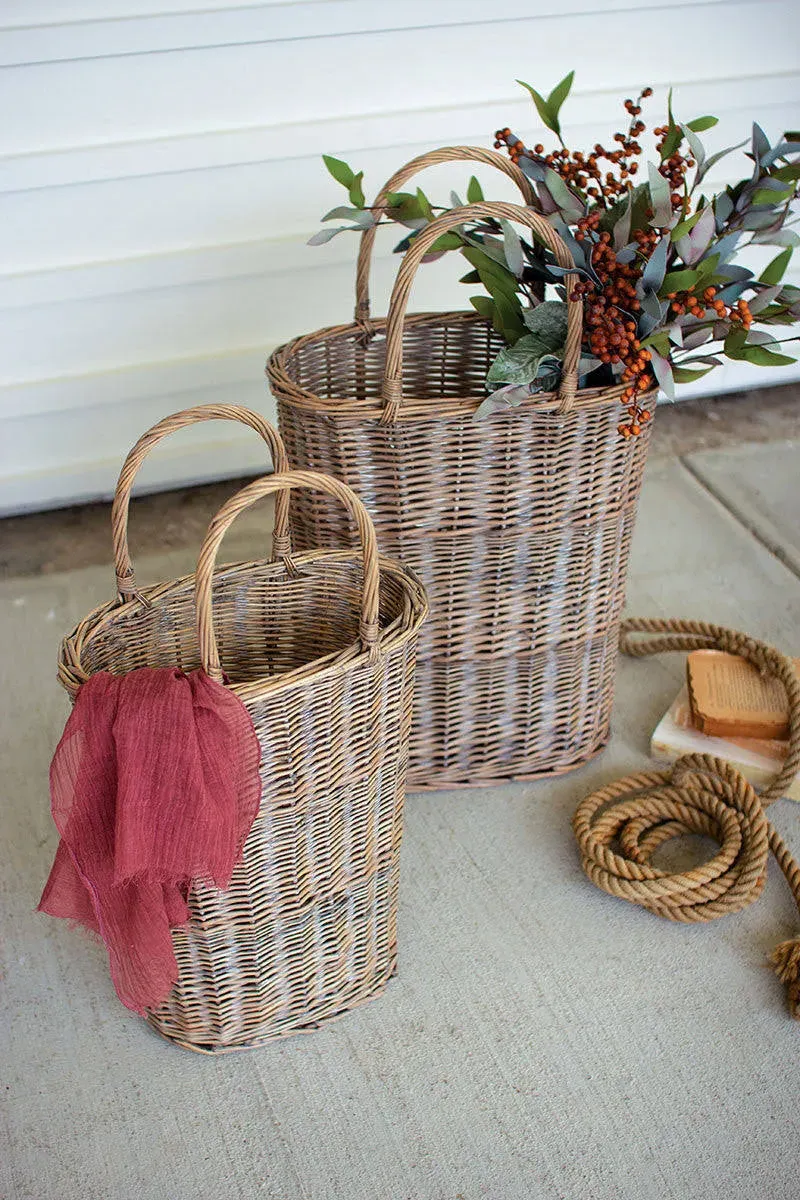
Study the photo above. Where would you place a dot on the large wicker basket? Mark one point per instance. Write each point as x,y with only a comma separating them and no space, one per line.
320,648
519,525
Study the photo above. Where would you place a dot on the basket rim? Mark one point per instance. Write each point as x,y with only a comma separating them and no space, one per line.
405,626
289,392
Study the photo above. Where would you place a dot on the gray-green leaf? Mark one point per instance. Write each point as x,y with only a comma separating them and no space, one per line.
361,216
663,373
325,235
513,249
567,202
656,266
519,364
548,321
660,196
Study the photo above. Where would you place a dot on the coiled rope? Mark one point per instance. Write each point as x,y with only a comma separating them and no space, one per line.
620,827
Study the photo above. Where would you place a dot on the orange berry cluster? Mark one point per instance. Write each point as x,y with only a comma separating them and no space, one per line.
611,328
688,302
674,169
584,171
609,309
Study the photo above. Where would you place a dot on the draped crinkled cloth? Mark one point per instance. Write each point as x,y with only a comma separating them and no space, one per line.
154,784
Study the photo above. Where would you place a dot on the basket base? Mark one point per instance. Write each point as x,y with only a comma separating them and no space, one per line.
444,783
379,986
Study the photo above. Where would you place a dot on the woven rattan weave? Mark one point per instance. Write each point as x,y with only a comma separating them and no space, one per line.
320,648
519,525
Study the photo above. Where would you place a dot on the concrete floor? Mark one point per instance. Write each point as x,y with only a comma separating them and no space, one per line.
542,1040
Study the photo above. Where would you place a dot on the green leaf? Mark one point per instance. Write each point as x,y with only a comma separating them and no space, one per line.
772,196
356,191
541,104
470,277
484,305
404,207
447,241
494,277
760,356
679,281
495,310
474,191
557,98
684,375
674,136
549,118
640,202
737,347
424,205
788,174
707,267
658,341
774,272
339,170
684,227
699,124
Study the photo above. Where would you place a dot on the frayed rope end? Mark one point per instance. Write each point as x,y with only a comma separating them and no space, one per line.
786,960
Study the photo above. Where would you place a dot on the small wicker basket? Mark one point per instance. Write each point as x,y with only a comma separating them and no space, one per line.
518,525
320,648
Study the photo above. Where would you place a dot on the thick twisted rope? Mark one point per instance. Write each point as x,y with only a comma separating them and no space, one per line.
620,827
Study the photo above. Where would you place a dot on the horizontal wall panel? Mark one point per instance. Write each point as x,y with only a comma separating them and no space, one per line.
735,101
108,99
55,463
150,215
104,333
61,36
160,174
116,333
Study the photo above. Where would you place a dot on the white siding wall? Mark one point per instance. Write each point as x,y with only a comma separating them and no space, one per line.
160,173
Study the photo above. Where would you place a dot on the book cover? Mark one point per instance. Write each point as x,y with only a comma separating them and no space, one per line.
758,759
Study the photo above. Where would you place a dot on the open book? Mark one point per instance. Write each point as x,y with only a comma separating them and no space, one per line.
758,759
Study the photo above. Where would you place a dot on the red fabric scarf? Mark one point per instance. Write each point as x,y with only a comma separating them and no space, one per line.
154,784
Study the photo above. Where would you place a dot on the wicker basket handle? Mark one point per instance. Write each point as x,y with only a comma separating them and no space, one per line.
393,377
281,546
431,159
283,483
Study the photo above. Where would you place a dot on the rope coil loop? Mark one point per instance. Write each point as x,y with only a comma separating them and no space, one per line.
620,827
